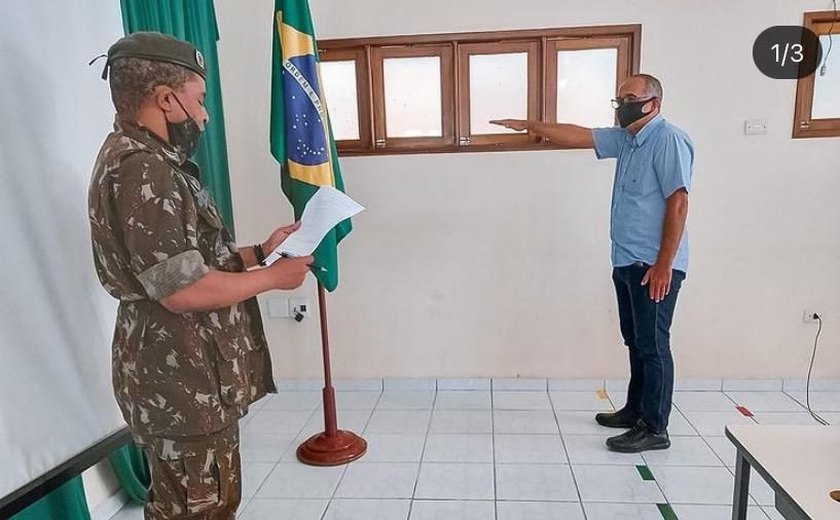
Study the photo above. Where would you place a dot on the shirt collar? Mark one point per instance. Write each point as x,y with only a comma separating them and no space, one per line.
147,137
642,135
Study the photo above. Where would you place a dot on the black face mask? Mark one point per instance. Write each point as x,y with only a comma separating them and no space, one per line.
184,135
629,113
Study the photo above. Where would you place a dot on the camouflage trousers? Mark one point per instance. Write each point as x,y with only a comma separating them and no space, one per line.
197,478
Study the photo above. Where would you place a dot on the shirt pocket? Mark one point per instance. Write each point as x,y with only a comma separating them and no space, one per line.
233,344
640,181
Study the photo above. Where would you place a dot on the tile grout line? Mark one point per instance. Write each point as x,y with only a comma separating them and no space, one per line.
347,466
493,446
568,459
280,459
732,470
422,455
659,506
705,439
666,508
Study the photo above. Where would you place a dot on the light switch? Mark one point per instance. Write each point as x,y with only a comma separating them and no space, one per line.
755,127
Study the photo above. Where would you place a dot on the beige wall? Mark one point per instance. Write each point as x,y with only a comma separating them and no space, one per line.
498,264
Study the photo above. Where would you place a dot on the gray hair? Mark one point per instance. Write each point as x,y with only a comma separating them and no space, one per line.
133,80
653,87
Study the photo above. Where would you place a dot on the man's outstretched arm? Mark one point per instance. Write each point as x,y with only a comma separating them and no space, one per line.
563,135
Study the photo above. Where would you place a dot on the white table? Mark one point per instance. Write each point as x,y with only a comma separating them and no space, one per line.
800,463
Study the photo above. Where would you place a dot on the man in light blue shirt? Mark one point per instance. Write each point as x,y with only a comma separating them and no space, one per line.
649,246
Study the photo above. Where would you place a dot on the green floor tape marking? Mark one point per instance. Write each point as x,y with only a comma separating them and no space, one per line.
644,471
667,512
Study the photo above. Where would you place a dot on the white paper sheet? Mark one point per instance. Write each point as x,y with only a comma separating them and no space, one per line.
322,213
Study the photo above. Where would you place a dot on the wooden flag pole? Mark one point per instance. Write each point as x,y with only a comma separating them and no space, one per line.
332,447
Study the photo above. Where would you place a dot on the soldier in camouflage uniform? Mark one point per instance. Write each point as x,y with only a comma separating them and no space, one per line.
189,351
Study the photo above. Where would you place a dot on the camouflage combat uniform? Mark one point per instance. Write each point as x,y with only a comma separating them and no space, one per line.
182,381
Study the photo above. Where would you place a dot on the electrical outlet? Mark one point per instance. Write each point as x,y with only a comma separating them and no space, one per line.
299,305
808,316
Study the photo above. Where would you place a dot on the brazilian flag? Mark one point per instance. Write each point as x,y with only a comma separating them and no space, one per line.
301,137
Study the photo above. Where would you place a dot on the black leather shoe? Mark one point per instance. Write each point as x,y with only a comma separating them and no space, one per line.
639,439
620,419
638,430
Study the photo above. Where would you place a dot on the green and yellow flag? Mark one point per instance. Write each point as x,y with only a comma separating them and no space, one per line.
301,137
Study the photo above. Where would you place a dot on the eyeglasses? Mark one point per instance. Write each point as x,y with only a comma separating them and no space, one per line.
619,102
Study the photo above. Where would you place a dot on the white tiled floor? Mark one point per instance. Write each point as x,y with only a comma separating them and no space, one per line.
519,452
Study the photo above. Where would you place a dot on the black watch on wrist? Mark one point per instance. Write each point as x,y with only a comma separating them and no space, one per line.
258,252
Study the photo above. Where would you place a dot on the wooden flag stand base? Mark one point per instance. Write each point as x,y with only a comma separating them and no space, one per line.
332,447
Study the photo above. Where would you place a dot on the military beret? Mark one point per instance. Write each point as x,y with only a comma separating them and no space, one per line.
156,46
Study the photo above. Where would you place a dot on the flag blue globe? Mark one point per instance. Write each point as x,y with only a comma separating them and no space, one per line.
306,138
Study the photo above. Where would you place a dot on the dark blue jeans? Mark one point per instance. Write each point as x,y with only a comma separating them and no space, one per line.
646,328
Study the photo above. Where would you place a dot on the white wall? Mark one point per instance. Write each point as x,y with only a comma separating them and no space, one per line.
498,264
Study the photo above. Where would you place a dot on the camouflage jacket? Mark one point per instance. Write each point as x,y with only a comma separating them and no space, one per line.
155,230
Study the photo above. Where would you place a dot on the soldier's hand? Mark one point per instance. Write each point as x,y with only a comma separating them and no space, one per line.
513,124
289,273
280,234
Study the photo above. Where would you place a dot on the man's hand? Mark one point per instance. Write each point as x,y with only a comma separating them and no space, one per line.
513,124
659,279
289,273
280,234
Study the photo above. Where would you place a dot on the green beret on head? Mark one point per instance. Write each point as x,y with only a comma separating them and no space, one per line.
156,46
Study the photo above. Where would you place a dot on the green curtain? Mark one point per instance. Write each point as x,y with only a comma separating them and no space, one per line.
195,22
132,469
67,502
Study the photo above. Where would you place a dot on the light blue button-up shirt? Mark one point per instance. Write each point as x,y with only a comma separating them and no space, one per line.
652,165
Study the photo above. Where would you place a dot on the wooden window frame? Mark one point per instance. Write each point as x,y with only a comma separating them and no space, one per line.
447,90
532,49
363,93
623,64
804,125
455,98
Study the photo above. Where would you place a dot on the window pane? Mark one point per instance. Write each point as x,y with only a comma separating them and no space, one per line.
827,88
585,85
498,90
413,106
339,79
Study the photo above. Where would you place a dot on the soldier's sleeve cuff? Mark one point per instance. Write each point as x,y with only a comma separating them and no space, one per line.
173,274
